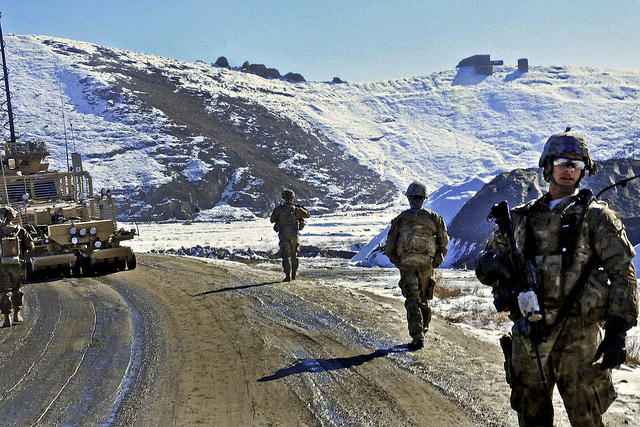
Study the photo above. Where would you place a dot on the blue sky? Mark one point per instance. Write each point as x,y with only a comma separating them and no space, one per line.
356,40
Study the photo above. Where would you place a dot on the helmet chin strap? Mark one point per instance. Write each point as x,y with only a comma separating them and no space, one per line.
565,188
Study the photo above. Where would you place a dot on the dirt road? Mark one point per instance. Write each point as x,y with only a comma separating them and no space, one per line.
183,342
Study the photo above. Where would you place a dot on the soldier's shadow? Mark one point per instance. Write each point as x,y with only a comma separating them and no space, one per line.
235,288
325,365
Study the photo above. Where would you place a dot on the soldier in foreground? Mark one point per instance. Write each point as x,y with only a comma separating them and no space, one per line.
288,220
581,257
416,244
15,241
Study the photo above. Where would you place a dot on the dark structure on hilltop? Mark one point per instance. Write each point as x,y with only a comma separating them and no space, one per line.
484,65
523,65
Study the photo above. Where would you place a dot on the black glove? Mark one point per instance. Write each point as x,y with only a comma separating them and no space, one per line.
612,346
491,267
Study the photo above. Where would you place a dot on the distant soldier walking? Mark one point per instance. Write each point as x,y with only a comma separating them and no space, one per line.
289,220
416,244
15,241
587,298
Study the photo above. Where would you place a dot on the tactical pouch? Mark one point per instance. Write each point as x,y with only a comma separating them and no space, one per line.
604,391
426,290
506,343
550,274
431,287
10,248
593,301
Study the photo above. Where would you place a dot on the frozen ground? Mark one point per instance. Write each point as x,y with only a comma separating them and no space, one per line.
471,309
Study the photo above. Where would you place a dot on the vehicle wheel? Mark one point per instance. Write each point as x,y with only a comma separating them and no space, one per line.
131,263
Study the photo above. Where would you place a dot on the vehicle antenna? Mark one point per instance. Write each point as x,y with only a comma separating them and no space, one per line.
135,221
621,183
9,110
73,138
64,127
6,87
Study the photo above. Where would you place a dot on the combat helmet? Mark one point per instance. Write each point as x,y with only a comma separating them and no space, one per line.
7,213
416,189
566,142
288,194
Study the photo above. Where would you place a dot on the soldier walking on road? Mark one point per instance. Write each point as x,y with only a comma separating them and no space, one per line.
289,220
14,242
588,294
416,244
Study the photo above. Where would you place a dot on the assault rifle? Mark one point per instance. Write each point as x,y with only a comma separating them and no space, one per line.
525,289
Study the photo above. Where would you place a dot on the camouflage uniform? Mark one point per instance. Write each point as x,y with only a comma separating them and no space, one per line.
15,242
289,219
416,244
578,234
571,346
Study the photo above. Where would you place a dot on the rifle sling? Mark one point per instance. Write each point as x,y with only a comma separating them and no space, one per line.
575,293
585,197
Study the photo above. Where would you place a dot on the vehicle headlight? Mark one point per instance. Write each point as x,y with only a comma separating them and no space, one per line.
93,231
97,244
73,230
75,240
83,232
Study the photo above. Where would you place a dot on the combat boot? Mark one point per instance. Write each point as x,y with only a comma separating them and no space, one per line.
286,266
416,344
17,317
7,320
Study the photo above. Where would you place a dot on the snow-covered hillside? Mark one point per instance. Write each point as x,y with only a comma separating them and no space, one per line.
453,128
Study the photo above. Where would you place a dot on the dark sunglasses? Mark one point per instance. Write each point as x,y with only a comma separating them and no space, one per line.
569,163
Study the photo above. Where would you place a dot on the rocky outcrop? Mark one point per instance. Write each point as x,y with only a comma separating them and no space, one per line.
269,73
222,62
294,77
262,71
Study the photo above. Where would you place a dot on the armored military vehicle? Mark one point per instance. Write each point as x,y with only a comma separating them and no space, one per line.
74,230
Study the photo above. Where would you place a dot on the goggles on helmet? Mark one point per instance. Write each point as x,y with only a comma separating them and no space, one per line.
569,163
